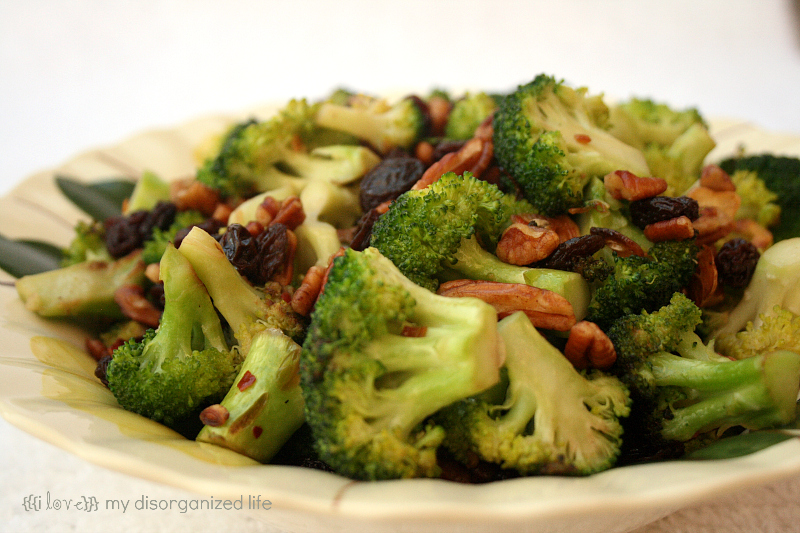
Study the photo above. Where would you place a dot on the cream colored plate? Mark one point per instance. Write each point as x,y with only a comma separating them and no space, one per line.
48,389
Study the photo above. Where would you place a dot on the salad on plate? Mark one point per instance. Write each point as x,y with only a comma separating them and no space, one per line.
471,287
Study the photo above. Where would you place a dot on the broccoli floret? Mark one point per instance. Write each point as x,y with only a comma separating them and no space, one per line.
182,365
675,143
382,125
775,282
261,156
433,235
681,387
154,247
553,420
264,407
246,308
467,114
381,356
643,283
552,139
89,244
781,176
758,202
778,330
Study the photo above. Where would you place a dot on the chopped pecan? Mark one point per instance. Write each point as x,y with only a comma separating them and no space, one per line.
522,244
214,415
712,225
716,179
306,295
267,210
475,157
290,214
624,185
704,289
544,308
754,232
588,347
191,194
439,109
134,305
726,202
563,225
674,229
424,152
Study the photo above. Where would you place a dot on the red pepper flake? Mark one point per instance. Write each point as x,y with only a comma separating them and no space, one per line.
246,382
257,431
582,138
414,331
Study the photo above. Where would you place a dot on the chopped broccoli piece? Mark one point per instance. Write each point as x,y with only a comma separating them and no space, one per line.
775,282
154,247
552,139
467,114
148,191
382,355
553,420
185,363
643,283
778,330
781,176
382,125
89,244
264,407
328,207
681,387
261,156
83,289
246,308
675,143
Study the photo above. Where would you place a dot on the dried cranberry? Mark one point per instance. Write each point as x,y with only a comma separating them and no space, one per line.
650,210
736,261
389,179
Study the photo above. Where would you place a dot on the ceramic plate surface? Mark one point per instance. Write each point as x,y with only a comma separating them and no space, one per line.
48,388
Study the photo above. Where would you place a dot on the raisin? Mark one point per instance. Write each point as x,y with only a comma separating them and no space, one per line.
241,249
736,261
101,369
658,208
273,245
571,252
389,179
161,216
361,237
445,147
122,233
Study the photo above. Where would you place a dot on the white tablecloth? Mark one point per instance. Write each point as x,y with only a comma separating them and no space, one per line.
78,74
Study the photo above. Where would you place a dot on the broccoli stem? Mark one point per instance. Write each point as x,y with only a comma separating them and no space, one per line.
755,392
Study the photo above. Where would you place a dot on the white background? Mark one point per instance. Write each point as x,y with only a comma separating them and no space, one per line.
76,75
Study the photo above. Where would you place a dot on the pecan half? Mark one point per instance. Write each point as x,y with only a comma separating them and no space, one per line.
522,244
674,229
588,347
290,214
716,179
544,308
624,185
704,289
